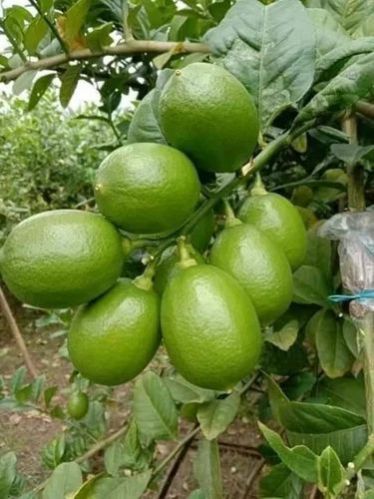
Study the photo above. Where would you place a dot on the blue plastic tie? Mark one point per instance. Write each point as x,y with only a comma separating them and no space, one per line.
363,295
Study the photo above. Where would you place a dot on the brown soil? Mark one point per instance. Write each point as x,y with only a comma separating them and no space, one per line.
27,432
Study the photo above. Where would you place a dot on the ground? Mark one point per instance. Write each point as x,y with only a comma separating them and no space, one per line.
27,432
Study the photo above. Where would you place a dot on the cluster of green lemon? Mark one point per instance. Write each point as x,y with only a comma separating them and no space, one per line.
208,314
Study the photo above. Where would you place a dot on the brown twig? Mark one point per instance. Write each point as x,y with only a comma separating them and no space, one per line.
365,108
123,49
251,478
4,305
102,444
314,492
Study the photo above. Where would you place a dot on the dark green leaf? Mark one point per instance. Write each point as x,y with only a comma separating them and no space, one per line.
7,472
65,479
100,37
144,126
114,488
281,483
331,471
351,337
74,19
276,361
154,410
310,286
207,469
319,254
352,153
353,83
333,353
69,82
215,416
299,459
348,393
49,393
17,379
34,34
270,49
299,384
185,392
54,452
276,398
39,89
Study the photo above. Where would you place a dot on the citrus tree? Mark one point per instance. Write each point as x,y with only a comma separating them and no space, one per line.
253,127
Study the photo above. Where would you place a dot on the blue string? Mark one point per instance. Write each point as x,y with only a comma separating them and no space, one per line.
363,295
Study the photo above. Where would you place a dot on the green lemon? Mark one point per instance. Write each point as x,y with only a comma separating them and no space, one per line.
210,328
259,265
203,231
112,339
78,405
280,220
208,114
168,266
147,188
61,258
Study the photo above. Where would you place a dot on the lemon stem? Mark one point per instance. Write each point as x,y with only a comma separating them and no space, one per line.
185,259
231,219
258,187
145,281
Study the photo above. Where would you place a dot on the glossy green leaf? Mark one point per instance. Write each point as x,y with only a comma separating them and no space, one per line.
69,82
215,416
38,90
185,392
310,286
270,49
34,34
299,459
353,83
100,37
7,472
331,471
207,469
144,126
65,479
280,483
74,19
334,355
285,336
329,33
154,410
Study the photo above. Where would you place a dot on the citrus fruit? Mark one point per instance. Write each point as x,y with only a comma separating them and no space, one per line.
113,338
210,328
208,114
259,265
147,188
168,266
61,258
78,405
202,232
280,220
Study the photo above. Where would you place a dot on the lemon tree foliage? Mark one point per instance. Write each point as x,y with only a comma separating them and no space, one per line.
183,218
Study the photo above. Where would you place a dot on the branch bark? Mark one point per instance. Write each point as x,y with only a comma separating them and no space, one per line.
365,108
4,305
123,49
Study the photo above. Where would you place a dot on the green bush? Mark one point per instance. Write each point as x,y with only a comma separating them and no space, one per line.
47,158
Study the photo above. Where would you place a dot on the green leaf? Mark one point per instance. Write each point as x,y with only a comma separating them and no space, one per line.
100,37
331,471
207,469
348,393
113,458
352,153
23,82
305,417
35,34
215,416
69,82
74,19
346,443
17,379
54,452
197,494
276,398
310,286
185,392
144,126
134,455
353,83
154,410
341,53
329,33
276,361
49,393
333,353
299,459
351,337
285,336
319,254
280,483
39,89
270,49
65,479
101,487
349,13
7,473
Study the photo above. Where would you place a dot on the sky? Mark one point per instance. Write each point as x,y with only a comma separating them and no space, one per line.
84,92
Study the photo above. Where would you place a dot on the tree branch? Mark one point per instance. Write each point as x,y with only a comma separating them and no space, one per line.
52,27
365,108
123,49
4,306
